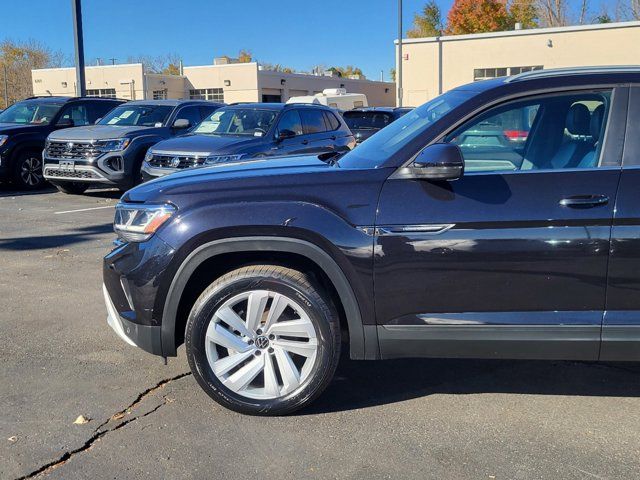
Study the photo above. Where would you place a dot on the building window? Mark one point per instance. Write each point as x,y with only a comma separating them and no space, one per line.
160,94
102,92
487,73
215,94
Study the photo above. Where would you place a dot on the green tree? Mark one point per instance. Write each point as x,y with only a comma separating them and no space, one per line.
428,23
392,74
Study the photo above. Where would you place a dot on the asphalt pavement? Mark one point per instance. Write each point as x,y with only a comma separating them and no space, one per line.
405,419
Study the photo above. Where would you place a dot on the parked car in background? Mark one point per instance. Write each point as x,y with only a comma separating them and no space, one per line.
249,131
364,122
25,125
111,152
262,268
337,98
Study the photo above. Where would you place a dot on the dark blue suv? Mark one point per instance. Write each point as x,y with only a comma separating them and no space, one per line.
252,130
499,220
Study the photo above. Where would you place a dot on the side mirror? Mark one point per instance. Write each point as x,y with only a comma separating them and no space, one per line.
65,123
284,134
181,123
440,161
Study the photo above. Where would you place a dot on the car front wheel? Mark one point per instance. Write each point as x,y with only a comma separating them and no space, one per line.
263,340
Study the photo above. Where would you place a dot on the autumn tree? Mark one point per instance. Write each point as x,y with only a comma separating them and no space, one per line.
244,56
553,13
428,23
276,67
477,16
17,59
523,12
168,63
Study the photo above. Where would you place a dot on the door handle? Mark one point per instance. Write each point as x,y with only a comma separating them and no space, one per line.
305,142
333,137
584,201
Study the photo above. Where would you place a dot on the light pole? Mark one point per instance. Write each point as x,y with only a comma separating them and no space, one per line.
399,72
76,9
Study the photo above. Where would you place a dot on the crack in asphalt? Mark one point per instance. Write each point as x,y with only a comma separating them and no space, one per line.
101,429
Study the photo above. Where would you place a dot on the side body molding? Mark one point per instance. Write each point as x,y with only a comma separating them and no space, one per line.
360,348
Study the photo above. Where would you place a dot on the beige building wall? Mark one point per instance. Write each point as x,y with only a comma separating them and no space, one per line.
172,86
294,85
435,65
127,80
238,80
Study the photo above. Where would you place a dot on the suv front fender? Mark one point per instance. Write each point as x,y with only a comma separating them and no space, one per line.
363,338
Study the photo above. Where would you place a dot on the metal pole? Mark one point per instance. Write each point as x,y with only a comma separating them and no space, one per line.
81,89
399,72
6,87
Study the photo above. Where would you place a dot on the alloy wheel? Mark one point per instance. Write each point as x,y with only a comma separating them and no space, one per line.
31,171
261,344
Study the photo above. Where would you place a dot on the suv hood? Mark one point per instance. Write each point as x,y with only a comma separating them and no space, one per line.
97,132
196,179
224,144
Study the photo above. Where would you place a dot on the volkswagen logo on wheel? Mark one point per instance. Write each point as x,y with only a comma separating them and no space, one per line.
262,342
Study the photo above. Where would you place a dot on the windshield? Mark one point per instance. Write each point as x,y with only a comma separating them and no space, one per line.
367,120
387,142
31,113
238,121
137,115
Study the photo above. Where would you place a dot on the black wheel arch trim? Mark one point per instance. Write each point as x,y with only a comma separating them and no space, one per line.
360,347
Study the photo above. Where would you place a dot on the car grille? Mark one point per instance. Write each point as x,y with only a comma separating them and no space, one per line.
72,150
175,161
54,172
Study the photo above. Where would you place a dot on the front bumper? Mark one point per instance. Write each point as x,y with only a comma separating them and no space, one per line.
146,337
90,171
150,173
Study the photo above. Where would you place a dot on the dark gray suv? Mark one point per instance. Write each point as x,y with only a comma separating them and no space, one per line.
111,152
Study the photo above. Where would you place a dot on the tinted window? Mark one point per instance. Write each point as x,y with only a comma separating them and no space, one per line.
99,109
238,121
77,113
290,120
312,120
137,115
367,120
331,120
190,113
30,112
553,132
396,136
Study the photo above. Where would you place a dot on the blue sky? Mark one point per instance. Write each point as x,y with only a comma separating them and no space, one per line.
296,33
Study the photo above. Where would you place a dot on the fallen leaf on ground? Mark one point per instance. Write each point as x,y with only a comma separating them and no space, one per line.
81,420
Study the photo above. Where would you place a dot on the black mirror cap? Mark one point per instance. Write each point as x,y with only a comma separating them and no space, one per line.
181,123
440,161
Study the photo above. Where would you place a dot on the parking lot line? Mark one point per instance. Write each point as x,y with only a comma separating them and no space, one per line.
83,209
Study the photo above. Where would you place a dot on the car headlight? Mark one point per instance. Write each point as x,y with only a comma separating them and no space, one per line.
137,223
113,145
213,159
3,139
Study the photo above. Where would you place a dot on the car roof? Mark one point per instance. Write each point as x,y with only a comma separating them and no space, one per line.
257,105
378,109
59,99
170,102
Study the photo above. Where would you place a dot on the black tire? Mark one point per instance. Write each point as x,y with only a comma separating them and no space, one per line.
72,188
295,286
27,170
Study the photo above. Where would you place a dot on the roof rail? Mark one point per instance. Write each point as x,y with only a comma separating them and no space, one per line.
307,104
555,72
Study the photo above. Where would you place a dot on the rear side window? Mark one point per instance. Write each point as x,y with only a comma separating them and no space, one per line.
77,113
290,121
332,122
365,120
313,121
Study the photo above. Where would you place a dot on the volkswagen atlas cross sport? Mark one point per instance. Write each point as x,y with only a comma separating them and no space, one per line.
111,152
424,241
251,130
24,127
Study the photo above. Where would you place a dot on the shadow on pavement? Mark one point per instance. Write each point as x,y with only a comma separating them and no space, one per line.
361,384
8,190
104,193
76,236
